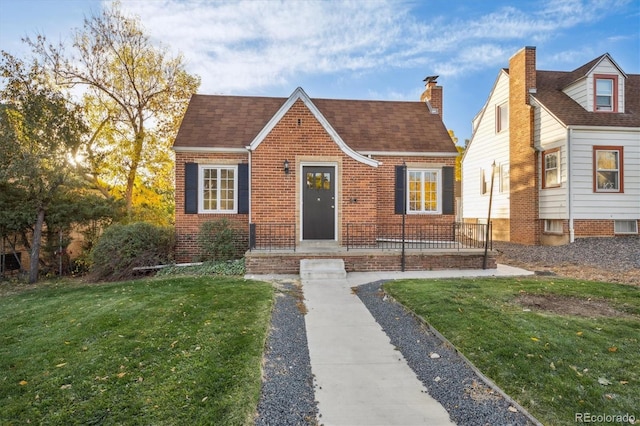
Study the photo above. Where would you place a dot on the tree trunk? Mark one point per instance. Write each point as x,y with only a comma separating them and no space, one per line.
133,170
35,247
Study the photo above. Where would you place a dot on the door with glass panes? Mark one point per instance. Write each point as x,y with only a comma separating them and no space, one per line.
318,203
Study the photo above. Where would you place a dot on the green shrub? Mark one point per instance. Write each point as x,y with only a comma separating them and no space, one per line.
124,247
218,241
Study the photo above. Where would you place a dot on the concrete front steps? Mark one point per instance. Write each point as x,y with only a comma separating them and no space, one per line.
322,269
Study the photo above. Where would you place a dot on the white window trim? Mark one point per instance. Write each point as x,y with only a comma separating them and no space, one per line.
504,177
551,226
438,191
617,224
501,109
201,169
611,96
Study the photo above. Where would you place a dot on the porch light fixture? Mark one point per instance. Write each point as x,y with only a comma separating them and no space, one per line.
286,167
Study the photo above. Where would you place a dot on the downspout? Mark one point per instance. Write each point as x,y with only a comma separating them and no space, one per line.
249,149
250,226
569,188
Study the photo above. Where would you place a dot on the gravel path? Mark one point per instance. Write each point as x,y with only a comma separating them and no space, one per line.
287,396
449,380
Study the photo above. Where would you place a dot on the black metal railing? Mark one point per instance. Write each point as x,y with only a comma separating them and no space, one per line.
272,236
282,236
415,236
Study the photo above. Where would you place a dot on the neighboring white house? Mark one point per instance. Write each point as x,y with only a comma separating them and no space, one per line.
566,149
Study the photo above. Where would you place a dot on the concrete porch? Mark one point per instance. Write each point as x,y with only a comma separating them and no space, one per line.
366,260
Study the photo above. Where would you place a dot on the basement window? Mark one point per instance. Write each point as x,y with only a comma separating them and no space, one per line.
625,226
553,226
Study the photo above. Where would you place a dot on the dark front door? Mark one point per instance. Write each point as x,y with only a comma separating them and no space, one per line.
318,203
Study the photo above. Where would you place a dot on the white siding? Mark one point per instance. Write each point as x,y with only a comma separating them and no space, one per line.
579,93
486,146
549,134
582,90
608,68
588,204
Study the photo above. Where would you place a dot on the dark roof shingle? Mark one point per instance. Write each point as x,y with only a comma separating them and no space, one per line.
549,93
213,121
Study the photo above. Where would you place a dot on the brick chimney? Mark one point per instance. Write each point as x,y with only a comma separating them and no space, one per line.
432,95
525,226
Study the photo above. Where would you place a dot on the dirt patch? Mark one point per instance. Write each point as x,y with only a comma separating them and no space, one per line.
480,392
566,305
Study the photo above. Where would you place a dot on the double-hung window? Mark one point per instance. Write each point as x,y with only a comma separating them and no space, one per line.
424,191
218,192
551,172
605,93
502,117
608,171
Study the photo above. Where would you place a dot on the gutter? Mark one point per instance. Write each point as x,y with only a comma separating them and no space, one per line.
569,187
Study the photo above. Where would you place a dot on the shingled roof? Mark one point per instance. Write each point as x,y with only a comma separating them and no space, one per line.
214,121
549,93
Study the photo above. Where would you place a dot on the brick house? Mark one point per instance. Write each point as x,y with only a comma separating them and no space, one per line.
566,149
308,169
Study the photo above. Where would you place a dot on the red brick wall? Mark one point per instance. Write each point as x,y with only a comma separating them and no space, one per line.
289,263
365,194
187,225
386,196
300,139
524,224
594,228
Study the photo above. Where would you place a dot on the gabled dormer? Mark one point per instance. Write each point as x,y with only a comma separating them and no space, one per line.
598,86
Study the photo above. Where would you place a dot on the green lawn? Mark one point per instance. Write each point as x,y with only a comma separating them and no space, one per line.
554,364
178,350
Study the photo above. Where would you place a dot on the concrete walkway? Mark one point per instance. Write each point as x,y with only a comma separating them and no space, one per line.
360,378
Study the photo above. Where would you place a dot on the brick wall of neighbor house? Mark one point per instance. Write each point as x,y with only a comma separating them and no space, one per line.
524,226
187,225
300,138
593,228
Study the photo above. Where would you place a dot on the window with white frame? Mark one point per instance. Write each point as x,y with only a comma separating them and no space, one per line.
605,93
218,189
504,177
424,191
551,172
625,226
484,185
502,117
553,226
607,165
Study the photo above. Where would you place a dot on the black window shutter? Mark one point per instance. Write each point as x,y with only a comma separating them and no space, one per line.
243,188
400,197
448,196
191,188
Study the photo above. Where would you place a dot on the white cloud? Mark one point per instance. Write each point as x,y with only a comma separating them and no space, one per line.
246,46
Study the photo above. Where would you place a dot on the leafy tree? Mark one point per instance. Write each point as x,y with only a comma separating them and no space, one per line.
460,149
39,133
136,94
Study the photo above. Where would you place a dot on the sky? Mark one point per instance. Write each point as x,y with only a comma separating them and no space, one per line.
361,49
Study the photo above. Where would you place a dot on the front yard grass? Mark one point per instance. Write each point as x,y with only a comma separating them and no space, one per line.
560,347
178,350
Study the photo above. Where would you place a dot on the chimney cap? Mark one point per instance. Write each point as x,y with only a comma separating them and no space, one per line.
431,79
